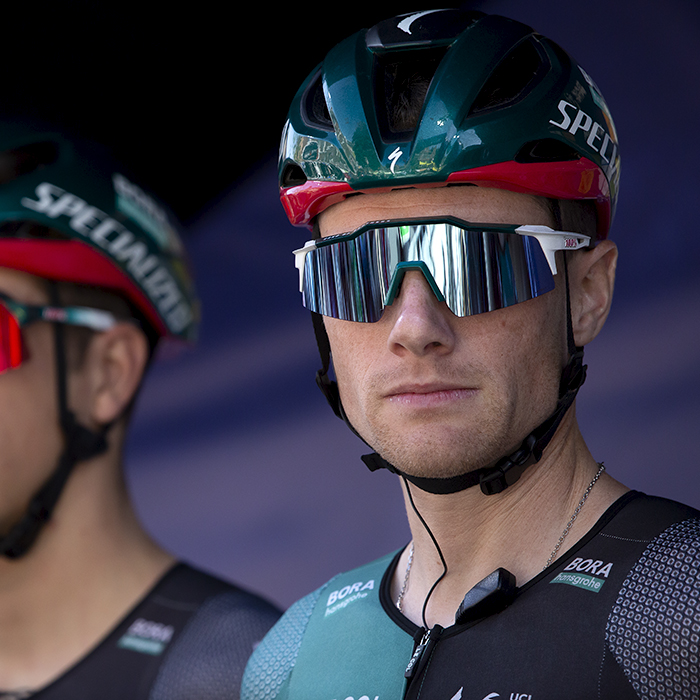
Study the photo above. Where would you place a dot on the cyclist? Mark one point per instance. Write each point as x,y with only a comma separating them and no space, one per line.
460,173
92,278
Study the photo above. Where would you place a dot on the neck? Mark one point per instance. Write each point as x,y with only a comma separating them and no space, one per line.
90,565
517,529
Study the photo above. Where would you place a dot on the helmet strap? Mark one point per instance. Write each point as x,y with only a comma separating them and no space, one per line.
80,443
506,471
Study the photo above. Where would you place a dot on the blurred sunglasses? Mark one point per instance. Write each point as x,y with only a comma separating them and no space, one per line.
473,268
13,316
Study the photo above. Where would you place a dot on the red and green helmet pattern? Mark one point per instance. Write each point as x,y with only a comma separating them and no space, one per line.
105,230
505,107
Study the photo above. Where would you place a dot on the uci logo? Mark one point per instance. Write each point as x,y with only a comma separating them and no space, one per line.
493,696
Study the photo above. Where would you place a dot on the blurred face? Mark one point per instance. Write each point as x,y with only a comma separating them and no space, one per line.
30,438
433,393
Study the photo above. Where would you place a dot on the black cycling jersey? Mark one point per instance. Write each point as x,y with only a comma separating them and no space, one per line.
616,616
189,638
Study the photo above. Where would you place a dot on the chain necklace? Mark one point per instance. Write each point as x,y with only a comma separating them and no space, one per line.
552,556
402,592
569,525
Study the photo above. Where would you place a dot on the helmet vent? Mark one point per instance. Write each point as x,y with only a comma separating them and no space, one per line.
546,151
314,109
292,176
26,159
511,80
563,57
401,83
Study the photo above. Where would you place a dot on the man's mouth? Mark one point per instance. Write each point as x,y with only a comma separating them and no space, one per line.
428,395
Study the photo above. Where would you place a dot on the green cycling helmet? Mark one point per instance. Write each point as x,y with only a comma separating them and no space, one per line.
70,213
503,107
100,228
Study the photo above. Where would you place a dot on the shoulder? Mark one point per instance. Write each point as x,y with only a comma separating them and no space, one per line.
652,628
226,623
644,514
670,532
268,670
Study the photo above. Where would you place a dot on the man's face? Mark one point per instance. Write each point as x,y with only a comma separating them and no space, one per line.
30,438
434,393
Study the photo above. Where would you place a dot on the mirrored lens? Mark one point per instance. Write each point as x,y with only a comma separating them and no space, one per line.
353,277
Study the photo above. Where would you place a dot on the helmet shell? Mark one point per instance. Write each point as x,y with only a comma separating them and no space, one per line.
505,107
111,233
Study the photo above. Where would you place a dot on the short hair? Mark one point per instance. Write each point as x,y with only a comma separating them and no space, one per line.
78,337
577,215
90,296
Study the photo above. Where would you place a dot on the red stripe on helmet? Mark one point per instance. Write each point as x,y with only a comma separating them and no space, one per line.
574,179
73,261
303,203
571,179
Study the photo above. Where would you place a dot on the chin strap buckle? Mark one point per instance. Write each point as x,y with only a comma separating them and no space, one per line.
374,463
509,469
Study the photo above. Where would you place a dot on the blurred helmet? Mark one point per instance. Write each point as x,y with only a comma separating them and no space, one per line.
70,213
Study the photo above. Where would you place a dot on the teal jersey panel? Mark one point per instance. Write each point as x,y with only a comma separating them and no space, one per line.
347,633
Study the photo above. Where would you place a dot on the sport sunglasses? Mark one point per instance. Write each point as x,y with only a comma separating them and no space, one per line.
14,316
473,268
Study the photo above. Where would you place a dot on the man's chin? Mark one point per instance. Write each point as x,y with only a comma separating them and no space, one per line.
433,463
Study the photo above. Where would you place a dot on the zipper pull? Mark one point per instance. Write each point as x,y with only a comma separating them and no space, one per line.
411,668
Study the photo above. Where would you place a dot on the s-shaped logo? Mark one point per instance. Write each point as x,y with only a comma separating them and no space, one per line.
394,157
405,24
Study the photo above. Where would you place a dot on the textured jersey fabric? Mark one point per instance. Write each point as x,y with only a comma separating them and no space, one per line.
188,639
617,616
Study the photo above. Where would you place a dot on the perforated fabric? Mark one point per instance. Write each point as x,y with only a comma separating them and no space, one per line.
208,659
271,664
654,627
189,637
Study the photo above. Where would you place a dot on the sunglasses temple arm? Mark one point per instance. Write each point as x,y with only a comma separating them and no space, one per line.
299,259
551,241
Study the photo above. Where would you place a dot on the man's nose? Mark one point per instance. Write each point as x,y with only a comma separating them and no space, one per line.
420,323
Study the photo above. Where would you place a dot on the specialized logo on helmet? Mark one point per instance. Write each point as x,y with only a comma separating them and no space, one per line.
143,209
600,138
394,157
574,120
122,245
405,24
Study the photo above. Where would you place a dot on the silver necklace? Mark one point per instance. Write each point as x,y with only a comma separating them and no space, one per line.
552,556
402,592
569,525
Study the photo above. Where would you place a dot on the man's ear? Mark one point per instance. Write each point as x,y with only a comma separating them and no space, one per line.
592,281
110,375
